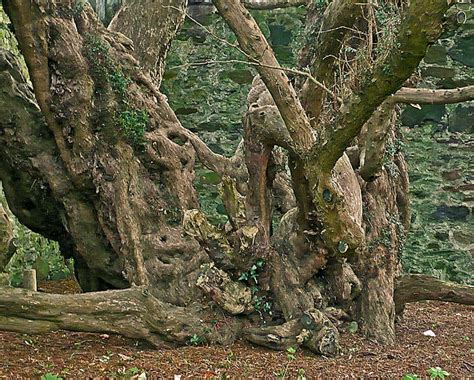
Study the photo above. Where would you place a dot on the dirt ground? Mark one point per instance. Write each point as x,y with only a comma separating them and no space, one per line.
83,355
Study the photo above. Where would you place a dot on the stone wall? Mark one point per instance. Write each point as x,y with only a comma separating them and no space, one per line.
449,64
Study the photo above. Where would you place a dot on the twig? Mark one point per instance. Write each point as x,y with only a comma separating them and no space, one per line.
256,63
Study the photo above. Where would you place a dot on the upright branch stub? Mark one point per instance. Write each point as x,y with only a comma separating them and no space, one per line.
151,25
256,48
421,26
338,19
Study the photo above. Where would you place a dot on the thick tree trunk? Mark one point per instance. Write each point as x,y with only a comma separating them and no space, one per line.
6,236
107,170
113,181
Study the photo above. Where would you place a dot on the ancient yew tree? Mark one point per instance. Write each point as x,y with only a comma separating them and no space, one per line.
92,156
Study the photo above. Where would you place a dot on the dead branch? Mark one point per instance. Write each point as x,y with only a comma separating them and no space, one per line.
339,16
312,330
419,287
134,313
429,96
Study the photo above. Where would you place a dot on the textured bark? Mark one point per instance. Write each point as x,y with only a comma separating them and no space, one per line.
107,170
6,236
420,27
418,287
338,19
119,212
151,25
428,96
133,313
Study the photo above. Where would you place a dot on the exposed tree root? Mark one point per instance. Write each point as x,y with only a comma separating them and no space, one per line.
312,330
134,313
418,287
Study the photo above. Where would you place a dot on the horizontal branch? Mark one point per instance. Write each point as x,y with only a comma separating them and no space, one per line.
274,4
133,313
429,96
418,287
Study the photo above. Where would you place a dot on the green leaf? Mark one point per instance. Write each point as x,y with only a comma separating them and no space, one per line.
410,376
353,327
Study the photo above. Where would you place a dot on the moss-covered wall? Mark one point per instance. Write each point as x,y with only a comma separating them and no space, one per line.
449,64
440,151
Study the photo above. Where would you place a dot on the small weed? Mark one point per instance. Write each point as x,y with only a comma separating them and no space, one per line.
437,373
290,353
50,376
291,356
196,340
254,272
132,371
410,376
301,374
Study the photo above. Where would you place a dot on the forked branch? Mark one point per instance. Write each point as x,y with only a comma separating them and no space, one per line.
253,43
421,26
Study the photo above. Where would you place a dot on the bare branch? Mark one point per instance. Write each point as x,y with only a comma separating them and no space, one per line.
274,4
421,26
339,16
287,69
428,96
253,43
418,287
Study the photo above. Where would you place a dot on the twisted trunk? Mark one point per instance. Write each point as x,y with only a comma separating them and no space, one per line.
107,170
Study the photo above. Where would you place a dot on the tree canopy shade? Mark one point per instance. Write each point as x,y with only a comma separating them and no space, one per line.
94,157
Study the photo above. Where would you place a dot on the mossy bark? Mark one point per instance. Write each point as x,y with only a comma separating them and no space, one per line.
107,170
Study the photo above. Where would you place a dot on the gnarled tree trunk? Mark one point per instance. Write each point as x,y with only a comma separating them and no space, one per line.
94,157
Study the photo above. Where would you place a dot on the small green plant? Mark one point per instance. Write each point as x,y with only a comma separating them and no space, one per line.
196,340
437,373
290,353
133,123
50,376
119,83
132,371
254,271
353,327
410,376
291,356
301,374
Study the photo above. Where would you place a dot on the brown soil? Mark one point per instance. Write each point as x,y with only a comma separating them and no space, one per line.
83,355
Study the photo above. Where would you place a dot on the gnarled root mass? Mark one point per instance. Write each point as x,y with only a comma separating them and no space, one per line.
136,313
